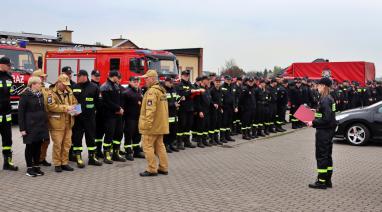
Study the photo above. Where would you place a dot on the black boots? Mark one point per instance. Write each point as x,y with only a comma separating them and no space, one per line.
279,128
260,132
199,142
187,142
228,136
319,184
79,161
168,150
129,154
272,128
8,163
179,143
93,161
107,157
222,137
245,134
173,147
117,156
212,140
253,132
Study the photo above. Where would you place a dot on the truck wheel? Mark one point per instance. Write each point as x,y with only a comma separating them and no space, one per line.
357,134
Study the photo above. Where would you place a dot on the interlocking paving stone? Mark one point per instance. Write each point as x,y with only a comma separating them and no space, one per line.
268,174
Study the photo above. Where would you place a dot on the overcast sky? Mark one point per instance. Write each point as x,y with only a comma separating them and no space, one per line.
258,34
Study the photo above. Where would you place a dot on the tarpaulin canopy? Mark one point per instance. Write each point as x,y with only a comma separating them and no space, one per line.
340,71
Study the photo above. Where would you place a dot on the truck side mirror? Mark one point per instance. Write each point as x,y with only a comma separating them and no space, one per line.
39,62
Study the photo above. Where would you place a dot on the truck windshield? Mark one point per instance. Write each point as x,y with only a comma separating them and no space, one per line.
22,61
163,67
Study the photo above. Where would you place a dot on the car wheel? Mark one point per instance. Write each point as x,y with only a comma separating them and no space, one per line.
357,134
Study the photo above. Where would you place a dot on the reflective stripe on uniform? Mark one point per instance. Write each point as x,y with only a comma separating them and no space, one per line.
330,168
77,90
334,107
128,146
77,148
98,140
179,134
318,115
7,147
322,170
89,99
92,148
90,106
116,142
171,119
106,145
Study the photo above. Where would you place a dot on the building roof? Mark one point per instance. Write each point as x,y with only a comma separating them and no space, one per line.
187,51
125,42
26,35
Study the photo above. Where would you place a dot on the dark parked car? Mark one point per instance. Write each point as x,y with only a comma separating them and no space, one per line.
360,125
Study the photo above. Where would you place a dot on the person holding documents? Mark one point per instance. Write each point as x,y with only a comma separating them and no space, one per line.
87,95
325,124
61,109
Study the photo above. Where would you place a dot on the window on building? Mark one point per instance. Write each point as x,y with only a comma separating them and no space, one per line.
114,63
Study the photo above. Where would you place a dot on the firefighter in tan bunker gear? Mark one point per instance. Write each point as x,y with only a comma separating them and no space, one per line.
60,102
153,124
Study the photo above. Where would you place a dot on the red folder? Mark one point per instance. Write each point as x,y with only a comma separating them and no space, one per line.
304,114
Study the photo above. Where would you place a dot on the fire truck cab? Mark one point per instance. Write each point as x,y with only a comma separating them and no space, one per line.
130,62
23,64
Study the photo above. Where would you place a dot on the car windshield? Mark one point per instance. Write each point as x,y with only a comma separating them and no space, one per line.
22,61
374,105
163,67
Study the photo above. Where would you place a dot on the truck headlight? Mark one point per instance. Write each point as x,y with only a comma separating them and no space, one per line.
339,117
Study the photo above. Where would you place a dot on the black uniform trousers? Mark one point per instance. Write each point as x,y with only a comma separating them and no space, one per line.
132,136
171,137
6,135
272,113
227,119
203,126
100,130
324,146
247,117
281,113
293,119
215,122
260,115
32,154
113,133
186,119
87,126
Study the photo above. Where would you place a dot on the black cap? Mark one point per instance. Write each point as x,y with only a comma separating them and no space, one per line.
250,79
227,77
133,78
95,73
346,80
285,81
218,78
273,80
204,77
213,74
186,72
67,70
325,81
5,61
114,73
239,78
82,73
262,81
198,79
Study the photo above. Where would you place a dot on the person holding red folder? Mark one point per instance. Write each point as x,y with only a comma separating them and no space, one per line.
325,124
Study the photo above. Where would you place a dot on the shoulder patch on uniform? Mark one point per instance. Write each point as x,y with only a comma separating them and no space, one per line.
149,102
50,101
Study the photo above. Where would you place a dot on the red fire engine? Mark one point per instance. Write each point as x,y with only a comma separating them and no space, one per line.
130,62
23,64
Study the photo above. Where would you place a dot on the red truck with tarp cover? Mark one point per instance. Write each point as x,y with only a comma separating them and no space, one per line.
340,71
129,62
23,64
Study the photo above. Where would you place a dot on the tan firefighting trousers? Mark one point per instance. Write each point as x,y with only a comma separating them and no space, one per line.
153,146
62,141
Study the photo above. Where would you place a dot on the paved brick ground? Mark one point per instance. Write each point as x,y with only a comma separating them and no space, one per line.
264,175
